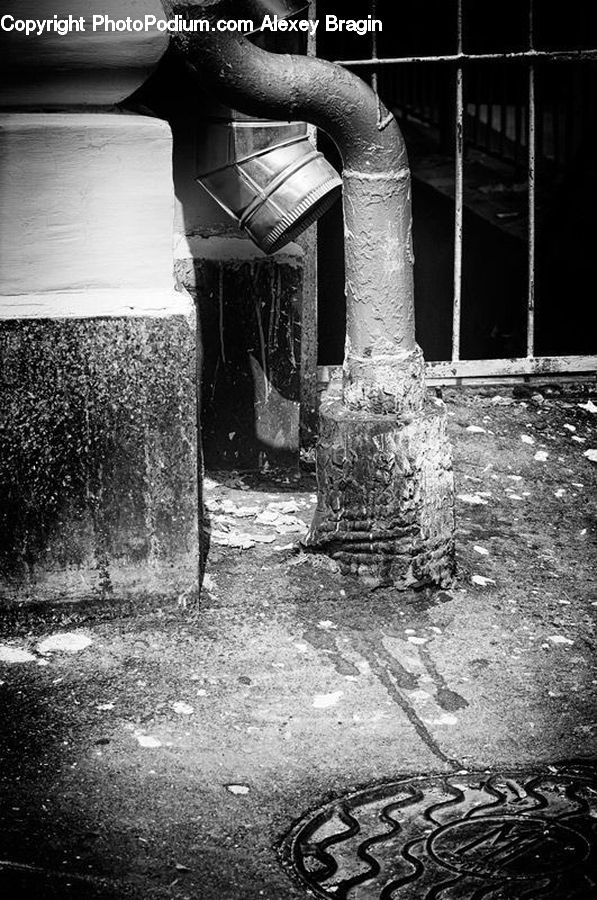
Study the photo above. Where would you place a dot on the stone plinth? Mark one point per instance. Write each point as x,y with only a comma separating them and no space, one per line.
99,487
98,458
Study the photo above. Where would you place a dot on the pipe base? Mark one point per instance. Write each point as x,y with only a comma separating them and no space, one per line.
386,496
388,384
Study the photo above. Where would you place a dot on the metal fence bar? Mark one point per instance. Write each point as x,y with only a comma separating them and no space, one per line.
447,372
519,136
374,75
458,197
532,137
532,55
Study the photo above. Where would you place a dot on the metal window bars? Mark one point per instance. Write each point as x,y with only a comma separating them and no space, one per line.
456,369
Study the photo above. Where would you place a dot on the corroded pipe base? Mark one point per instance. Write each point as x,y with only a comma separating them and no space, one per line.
386,493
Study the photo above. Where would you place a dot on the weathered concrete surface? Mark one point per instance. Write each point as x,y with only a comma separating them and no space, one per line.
303,684
385,510
250,311
98,458
386,492
87,210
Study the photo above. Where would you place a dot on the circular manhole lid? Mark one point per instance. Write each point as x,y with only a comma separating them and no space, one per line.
507,836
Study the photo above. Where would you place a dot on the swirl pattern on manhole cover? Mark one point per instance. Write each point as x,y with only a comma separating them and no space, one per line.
456,837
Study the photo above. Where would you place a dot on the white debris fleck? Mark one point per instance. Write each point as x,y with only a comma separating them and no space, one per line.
67,642
284,506
589,406
209,582
182,708
324,701
569,427
327,625
446,719
559,493
417,640
476,429
10,655
591,455
226,539
578,439
483,551
481,580
238,789
419,696
284,524
541,456
527,439
515,477
472,499
245,512
147,740
559,639
104,707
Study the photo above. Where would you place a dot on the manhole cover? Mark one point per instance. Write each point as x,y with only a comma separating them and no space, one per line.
457,837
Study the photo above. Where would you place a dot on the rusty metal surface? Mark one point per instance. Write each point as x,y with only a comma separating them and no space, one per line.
477,836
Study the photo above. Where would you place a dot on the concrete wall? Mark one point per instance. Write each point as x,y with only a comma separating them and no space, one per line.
99,486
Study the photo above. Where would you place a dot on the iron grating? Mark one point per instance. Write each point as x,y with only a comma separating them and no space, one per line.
477,836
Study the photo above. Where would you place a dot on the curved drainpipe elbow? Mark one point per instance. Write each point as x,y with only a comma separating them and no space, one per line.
383,368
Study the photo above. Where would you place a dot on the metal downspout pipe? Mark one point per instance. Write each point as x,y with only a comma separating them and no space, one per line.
385,484
376,190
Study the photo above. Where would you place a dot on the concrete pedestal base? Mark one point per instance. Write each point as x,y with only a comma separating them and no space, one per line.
98,408
98,458
385,509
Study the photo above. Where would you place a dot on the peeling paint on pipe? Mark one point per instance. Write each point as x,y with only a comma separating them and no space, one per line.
376,187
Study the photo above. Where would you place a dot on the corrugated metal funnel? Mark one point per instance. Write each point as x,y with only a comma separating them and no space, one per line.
268,176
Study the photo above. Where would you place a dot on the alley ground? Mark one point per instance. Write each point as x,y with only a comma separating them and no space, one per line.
171,751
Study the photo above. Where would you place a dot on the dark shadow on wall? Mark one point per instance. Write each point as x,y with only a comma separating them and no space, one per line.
249,304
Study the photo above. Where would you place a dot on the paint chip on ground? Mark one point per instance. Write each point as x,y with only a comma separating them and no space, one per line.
324,701
12,655
68,642
240,790
481,580
147,741
182,708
